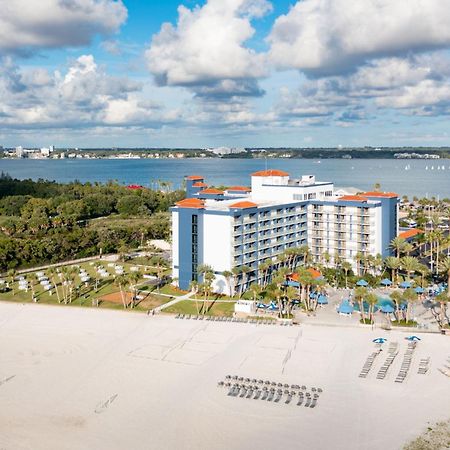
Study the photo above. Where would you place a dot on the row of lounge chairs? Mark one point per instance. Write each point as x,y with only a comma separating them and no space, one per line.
368,364
270,391
232,319
392,353
406,363
424,365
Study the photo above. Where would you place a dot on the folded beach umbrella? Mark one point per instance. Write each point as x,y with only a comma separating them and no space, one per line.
413,338
362,282
379,340
386,282
405,284
345,307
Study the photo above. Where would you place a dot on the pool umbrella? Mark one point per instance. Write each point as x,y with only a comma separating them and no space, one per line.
413,338
322,300
379,340
387,309
362,283
261,305
386,282
419,290
345,307
405,284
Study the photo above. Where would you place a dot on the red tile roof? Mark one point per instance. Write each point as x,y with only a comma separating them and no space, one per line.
380,194
243,205
314,273
135,186
212,191
191,203
270,173
239,188
353,198
410,233
194,177
200,184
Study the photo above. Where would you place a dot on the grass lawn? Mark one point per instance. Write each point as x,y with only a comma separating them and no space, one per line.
84,294
189,307
169,289
404,323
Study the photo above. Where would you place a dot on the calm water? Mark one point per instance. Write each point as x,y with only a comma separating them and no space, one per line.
402,176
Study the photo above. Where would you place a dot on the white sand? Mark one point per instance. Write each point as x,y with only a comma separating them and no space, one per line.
91,379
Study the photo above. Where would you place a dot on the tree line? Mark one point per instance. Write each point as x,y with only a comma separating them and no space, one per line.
44,221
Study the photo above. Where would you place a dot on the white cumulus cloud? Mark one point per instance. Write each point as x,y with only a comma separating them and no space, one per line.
335,36
207,47
30,24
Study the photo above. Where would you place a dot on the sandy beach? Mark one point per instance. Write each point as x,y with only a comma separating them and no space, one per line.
74,378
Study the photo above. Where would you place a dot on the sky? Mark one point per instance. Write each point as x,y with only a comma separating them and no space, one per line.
254,73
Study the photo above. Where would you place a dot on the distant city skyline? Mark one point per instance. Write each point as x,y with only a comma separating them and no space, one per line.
235,73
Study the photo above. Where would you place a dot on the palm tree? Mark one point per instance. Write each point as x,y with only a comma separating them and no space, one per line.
52,273
122,281
443,299
193,286
398,244
290,294
445,267
255,289
96,267
409,264
305,281
397,298
424,271
360,294
263,268
228,275
133,279
346,267
11,277
371,300
244,270
236,271
359,258
410,297
393,264
208,277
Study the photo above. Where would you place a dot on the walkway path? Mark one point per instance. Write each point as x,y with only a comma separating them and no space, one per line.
174,301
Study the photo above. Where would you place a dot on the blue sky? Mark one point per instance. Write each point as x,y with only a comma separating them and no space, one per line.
225,72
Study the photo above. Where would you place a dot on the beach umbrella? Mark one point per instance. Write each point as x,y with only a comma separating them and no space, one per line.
413,338
295,302
261,305
386,282
322,300
362,282
379,340
419,290
405,284
345,307
292,283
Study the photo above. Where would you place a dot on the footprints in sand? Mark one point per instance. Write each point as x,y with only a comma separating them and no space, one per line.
5,380
103,406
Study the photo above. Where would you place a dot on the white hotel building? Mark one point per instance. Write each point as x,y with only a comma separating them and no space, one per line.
247,226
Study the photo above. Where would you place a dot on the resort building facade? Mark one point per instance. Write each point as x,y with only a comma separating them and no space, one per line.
247,226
